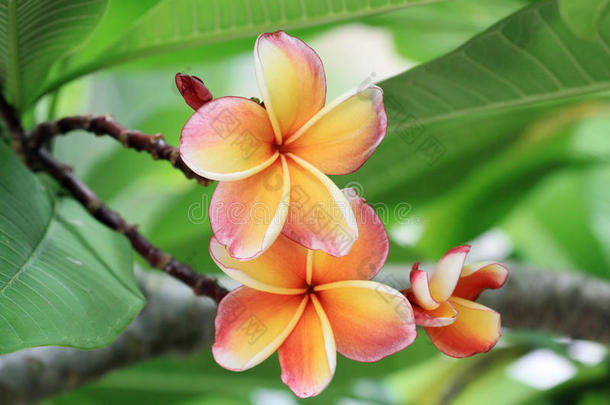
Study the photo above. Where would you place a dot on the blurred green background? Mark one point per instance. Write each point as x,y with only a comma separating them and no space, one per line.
529,182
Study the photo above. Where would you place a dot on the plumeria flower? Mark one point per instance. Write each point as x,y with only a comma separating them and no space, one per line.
307,305
444,303
272,159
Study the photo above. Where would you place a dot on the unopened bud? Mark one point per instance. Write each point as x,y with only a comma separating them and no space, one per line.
193,90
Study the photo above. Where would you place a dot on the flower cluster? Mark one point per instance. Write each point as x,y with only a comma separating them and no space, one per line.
304,250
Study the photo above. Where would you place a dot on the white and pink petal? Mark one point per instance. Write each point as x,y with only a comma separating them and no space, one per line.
291,79
228,139
248,215
447,272
420,289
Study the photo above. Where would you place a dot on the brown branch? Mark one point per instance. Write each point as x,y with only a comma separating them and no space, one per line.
154,145
39,158
200,283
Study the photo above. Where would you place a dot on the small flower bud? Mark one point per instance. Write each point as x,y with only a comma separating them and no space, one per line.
193,90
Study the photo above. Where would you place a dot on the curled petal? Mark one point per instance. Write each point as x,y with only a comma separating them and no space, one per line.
443,315
280,270
228,139
308,356
193,90
344,134
475,330
320,217
420,288
250,325
478,276
248,215
370,320
368,254
291,80
447,272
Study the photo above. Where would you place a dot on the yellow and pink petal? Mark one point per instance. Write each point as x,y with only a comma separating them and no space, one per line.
308,356
369,320
477,277
344,134
320,217
248,215
280,269
367,255
447,272
291,79
443,315
420,289
228,139
476,329
250,325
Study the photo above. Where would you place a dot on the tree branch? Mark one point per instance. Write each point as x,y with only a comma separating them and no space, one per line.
565,303
155,144
174,321
200,283
37,158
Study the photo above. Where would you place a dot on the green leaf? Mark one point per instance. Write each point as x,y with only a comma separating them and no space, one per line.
65,279
423,33
175,24
546,236
450,115
498,185
34,35
582,16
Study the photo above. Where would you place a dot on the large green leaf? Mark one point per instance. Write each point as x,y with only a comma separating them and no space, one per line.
583,16
65,279
175,24
423,33
34,34
497,186
448,116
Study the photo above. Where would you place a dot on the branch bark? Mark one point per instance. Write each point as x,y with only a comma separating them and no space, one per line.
564,303
175,321
155,144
